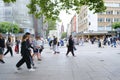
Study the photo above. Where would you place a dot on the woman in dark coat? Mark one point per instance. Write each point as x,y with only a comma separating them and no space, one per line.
70,46
25,54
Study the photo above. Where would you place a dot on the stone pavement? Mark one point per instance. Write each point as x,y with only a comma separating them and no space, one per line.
90,63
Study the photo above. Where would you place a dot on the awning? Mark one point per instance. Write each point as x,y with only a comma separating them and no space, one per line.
95,33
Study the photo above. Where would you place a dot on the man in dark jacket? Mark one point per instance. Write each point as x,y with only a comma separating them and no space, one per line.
70,46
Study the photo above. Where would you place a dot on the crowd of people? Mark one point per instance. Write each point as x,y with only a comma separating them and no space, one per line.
27,46
112,41
30,48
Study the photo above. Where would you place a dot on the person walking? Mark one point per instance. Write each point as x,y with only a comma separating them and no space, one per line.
29,43
25,55
9,45
70,46
17,45
37,48
55,45
2,46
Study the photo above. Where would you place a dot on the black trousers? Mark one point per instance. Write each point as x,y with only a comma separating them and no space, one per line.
9,49
70,49
25,59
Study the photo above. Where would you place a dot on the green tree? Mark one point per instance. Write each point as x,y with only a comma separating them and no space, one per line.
52,8
116,25
51,26
8,27
64,34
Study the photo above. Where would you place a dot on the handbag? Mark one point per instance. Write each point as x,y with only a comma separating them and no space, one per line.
16,48
67,45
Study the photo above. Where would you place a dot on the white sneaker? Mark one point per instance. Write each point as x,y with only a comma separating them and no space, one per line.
17,69
31,70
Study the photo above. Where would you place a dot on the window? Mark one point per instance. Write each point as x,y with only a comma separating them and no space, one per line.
100,13
116,19
101,28
109,20
108,28
100,19
8,12
109,12
117,12
7,4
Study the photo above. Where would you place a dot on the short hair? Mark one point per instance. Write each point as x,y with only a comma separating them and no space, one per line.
27,33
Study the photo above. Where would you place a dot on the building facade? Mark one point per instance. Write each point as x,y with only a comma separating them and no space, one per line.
1,10
68,30
99,23
22,17
72,26
17,13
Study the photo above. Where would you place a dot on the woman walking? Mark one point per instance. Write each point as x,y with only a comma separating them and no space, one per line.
37,48
70,46
2,46
17,45
55,45
9,45
25,55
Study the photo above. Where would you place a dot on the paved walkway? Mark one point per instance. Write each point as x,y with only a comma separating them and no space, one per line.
90,63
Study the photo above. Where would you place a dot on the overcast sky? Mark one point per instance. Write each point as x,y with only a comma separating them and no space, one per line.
65,18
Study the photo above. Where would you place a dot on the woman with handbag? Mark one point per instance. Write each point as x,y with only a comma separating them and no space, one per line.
70,46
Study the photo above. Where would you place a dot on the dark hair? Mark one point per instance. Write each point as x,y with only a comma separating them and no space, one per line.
9,39
24,37
27,33
70,36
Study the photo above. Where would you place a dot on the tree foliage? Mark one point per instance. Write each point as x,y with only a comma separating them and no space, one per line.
116,25
8,1
8,27
64,34
51,25
52,8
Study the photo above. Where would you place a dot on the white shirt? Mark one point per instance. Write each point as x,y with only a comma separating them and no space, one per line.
38,43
